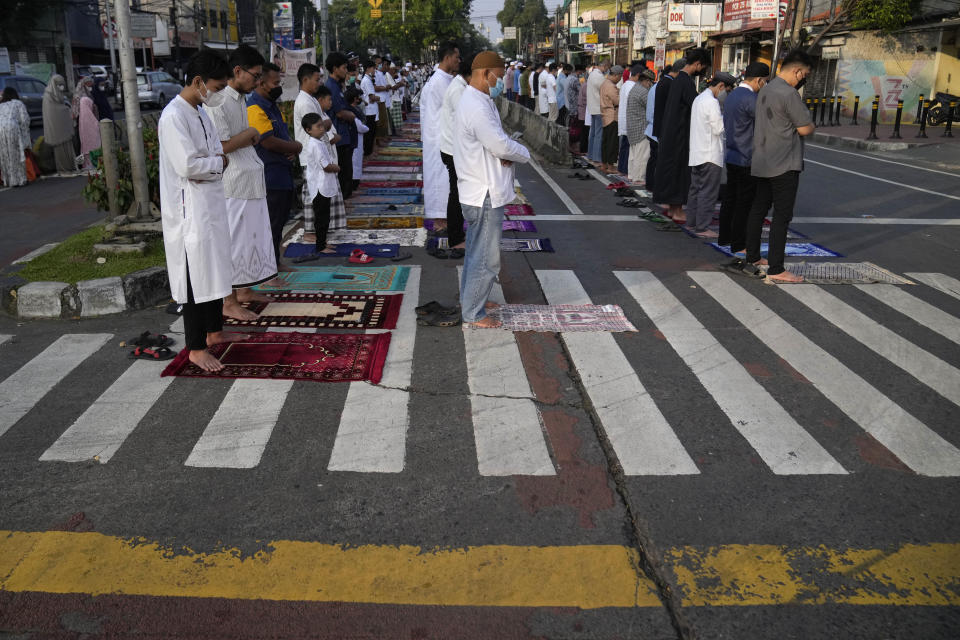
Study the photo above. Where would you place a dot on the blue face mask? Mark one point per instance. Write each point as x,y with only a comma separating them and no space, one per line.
498,89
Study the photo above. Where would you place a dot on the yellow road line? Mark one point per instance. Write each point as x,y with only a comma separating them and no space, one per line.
585,576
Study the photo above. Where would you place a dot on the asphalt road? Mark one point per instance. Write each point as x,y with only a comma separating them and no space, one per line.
753,462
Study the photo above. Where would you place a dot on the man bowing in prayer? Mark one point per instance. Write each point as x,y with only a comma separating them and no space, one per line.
251,241
436,187
673,171
484,157
196,234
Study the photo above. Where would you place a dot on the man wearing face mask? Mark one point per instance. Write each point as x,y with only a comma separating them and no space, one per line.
484,157
739,112
672,182
706,154
782,121
275,149
243,184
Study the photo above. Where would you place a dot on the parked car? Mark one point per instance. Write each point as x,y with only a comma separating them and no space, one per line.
154,87
95,71
31,94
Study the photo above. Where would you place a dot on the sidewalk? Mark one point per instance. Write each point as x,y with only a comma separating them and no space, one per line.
855,136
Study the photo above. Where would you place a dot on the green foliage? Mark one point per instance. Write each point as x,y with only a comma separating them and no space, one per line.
530,16
74,259
885,15
95,191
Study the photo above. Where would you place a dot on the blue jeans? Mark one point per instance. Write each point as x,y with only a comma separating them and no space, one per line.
481,263
596,138
624,157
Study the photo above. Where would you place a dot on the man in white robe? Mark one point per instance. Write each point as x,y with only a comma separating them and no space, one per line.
196,234
436,185
244,186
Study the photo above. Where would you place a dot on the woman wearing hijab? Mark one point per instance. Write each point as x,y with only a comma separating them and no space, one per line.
89,126
14,138
104,110
57,124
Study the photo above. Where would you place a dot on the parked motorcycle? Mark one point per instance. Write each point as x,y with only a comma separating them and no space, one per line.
940,107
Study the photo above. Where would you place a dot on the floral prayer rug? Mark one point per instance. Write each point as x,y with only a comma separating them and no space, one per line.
320,357
367,184
385,200
385,210
389,191
340,278
378,176
402,172
508,225
518,210
392,163
526,244
402,237
384,222
562,317
796,249
299,249
324,311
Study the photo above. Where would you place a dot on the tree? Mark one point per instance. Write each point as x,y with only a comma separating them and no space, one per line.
19,17
530,17
885,15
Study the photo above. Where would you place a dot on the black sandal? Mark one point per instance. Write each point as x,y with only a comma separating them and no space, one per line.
147,353
440,319
147,339
401,256
434,307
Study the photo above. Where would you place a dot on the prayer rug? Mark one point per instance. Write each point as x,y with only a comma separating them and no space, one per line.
401,172
385,222
392,163
324,311
797,249
385,200
562,317
402,237
518,210
508,225
405,144
389,191
321,357
385,210
340,278
526,244
399,153
373,175
367,184
296,250
844,273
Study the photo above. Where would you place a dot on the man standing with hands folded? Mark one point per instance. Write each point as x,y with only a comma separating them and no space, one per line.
484,157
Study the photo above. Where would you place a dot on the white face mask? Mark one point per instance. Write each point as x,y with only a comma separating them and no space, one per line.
211,98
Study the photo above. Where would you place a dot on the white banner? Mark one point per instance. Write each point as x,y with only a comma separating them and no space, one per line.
687,17
509,33
763,9
289,61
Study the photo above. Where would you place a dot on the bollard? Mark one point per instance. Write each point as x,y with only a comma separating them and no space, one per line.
108,145
873,120
948,130
839,106
896,124
830,113
809,103
856,108
922,133
919,110
823,107
816,107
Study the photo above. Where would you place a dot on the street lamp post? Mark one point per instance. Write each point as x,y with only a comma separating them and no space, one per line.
131,107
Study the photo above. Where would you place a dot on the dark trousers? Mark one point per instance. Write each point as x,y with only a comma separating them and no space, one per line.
735,209
610,145
345,162
321,220
279,202
455,233
651,164
562,116
623,158
781,192
370,135
200,318
584,137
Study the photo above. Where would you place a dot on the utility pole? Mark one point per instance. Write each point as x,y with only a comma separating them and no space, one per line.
113,55
67,51
556,37
798,12
324,20
131,107
176,39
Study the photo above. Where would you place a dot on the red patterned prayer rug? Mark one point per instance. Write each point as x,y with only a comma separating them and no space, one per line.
518,210
324,311
398,183
321,357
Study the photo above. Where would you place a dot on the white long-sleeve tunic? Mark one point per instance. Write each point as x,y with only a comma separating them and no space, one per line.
436,182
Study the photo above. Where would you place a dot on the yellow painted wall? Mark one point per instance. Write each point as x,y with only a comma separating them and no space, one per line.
948,72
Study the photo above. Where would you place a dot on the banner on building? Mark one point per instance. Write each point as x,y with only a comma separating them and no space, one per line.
143,25
694,17
39,70
660,55
763,9
289,61
283,24
620,31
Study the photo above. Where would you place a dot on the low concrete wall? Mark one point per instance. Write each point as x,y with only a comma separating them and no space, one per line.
547,138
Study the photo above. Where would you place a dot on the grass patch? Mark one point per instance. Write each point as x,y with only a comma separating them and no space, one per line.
74,259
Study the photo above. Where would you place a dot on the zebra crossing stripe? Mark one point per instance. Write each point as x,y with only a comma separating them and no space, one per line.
31,382
639,433
914,443
106,423
507,429
939,281
4,337
924,313
921,364
782,443
373,424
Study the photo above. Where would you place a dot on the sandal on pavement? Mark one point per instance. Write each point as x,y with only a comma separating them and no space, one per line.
434,307
401,256
147,339
357,256
440,319
668,226
147,353
457,254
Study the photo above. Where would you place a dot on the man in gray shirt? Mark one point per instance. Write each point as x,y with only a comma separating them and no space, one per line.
782,120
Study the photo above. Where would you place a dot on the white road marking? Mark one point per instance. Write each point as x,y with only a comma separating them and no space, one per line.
570,204
932,222
639,433
921,364
874,158
177,326
924,313
106,423
940,282
917,446
4,337
31,382
507,431
604,180
39,251
780,441
373,428
899,184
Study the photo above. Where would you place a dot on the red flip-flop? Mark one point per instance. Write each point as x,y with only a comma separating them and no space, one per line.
359,257
616,185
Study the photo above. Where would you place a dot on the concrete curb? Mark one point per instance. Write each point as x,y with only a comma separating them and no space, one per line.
87,298
831,140
547,138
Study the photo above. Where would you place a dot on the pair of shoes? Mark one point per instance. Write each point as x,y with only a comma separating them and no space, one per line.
152,353
150,340
448,318
435,307
579,175
614,186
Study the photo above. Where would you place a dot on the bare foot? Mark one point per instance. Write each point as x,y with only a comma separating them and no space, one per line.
329,250
275,282
462,245
785,277
490,306
235,311
486,323
249,295
285,268
309,238
762,262
205,360
709,233
221,337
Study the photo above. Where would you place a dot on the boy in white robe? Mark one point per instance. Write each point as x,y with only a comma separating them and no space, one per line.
196,234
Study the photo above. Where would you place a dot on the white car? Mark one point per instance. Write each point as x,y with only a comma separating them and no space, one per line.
154,87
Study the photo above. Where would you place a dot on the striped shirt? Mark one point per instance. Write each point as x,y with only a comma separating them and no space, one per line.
243,178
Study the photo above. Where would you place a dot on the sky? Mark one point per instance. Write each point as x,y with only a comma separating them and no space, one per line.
484,12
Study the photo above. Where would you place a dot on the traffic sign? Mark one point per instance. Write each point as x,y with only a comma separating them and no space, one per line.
375,4
509,33
376,13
